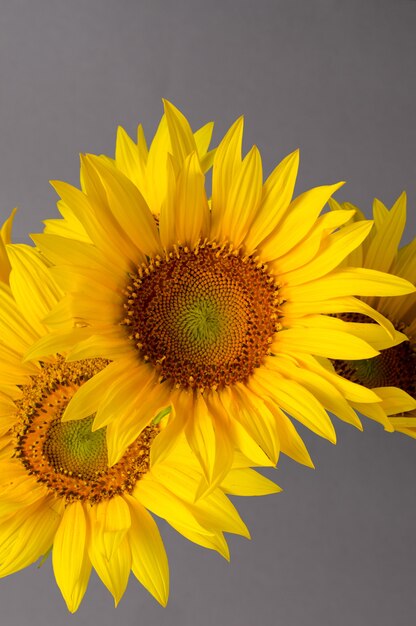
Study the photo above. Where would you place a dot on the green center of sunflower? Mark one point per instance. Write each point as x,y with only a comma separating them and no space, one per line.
68,457
201,322
72,447
393,367
205,317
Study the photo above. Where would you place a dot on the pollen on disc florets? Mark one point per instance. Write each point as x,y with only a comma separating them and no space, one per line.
393,367
69,458
204,317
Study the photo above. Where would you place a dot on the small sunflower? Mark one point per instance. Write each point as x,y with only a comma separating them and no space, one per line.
393,372
216,308
57,492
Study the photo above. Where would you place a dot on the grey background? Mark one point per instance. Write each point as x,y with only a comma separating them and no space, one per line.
336,79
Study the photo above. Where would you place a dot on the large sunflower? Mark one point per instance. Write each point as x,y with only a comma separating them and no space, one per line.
215,308
57,491
393,372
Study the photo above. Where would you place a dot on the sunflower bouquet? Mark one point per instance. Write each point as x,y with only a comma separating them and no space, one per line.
159,342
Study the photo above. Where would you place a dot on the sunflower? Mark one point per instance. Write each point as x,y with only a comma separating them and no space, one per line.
216,309
57,492
393,372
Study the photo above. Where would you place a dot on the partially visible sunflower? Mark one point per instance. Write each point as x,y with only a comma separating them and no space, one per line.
393,372
216,308
57,491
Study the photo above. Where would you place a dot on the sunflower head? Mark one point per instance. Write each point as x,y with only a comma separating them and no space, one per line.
219,307
59,494
69,458
393,371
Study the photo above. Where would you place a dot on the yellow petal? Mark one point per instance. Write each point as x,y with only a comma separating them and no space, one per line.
160,501
213,541
128,425
339,305
167,438
295,400
70,561
14,330
256,419
129,159
84,213
181,136
374,412
301,216
243,199
327,342
291,443
249,446
129,208
380,212
337,247
328,395
149,560
40,525
351,391
33,288
276,196
167,220
383,248
88,397
113,572
108,345
227,164
215,511
209,442
203,138
395,400
112,521
355,281
192,213
248,483
372,334
65,251
5,238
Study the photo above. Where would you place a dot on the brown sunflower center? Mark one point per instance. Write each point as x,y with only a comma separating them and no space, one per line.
393,367
68,457
203,317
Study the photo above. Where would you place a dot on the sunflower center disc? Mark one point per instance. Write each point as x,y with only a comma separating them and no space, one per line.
68,457
205,317
71,447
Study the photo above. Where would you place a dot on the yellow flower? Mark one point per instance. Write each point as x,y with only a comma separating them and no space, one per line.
393,373
216,308
57,491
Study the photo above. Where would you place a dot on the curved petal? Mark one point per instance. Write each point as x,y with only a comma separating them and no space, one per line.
227,164
181,136
149,560
276,196
301,215
191,211
70,561
243,199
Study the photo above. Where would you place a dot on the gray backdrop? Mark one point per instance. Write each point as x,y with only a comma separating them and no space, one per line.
333,78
